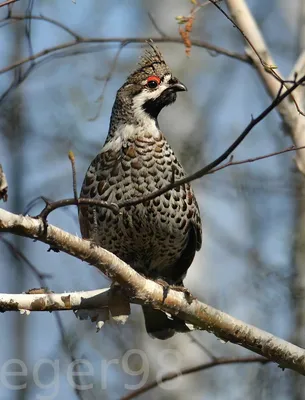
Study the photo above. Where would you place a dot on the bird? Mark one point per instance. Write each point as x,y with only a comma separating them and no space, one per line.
157,238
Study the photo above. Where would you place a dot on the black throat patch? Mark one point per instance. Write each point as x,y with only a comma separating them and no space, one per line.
154,106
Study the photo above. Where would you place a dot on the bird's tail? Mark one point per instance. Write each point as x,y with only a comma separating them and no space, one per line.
159,325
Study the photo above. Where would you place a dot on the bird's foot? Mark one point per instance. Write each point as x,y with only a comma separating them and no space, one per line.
187,294
179,288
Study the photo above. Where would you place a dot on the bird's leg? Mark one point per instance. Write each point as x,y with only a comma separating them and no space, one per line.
165,287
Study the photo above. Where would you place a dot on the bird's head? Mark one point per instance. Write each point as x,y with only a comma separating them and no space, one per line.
151,87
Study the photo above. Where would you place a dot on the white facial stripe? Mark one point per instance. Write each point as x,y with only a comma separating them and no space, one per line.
139,113
167,78
146,95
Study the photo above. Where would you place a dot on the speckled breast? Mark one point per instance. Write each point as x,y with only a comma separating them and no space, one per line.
149,236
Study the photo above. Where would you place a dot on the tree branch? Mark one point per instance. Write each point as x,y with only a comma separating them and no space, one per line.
41,300
141,290
206,170
124,42
7,3
230,163
186,371
288,110
114,207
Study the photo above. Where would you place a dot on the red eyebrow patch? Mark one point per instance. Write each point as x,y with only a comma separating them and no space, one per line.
154,78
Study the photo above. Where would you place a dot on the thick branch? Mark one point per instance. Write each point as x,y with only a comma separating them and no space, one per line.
141,290
54,301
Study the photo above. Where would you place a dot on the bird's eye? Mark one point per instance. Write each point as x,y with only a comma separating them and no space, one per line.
153,81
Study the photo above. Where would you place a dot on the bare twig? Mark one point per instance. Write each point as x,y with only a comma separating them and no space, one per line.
156,26
54,49
7,2
100,100
18,79
186,371
51,206
293,122
205,170
80,39
77,375
201,346
19,255
28,26
48,54
6,300
210,168
250,160
270,68
6,21
74,183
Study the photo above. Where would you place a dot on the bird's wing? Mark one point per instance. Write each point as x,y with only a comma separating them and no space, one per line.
194,239
95,186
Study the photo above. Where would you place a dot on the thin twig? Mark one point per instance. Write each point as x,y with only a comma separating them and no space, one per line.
79,393
42,280
156,26
186,371
39,18
250,160
100,100
19,255
201,346
28,26
8,2
270,69
205,170
51,206
74,183
198,43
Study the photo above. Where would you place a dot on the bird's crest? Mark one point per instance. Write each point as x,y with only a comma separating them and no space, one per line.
151,56
151,63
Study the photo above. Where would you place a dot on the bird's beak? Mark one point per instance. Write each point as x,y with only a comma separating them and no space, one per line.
179,87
